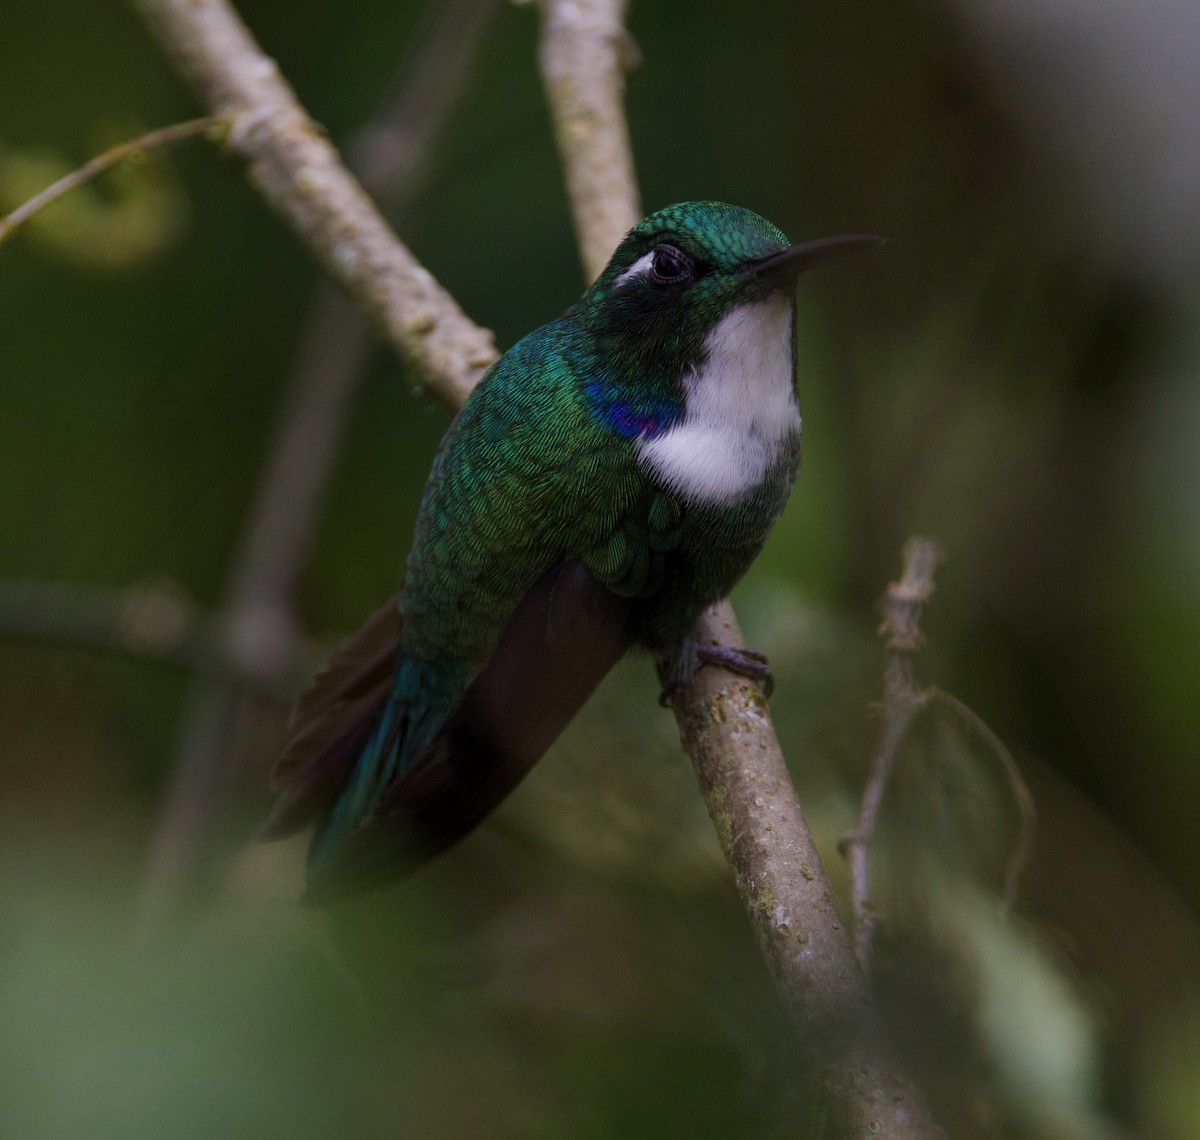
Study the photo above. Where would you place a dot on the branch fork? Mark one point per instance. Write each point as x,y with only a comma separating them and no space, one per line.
903,700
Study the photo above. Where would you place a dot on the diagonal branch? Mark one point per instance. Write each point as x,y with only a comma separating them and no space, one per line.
335,344
299,173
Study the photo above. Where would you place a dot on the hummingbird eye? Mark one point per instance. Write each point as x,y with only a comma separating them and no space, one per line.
669,265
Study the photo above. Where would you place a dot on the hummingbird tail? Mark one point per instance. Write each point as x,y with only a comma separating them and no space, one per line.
332,723
423,782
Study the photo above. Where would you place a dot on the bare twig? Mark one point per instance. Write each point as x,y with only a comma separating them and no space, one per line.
279,530
389,154
724,723
301,176
902,700
114,156
1026,812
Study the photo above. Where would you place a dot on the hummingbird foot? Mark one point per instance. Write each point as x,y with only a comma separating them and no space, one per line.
680,666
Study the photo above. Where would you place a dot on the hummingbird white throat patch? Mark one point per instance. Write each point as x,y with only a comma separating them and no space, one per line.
739,408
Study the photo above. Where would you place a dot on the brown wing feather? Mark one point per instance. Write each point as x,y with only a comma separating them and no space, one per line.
332,720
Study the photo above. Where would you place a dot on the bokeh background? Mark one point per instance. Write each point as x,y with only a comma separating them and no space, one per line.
1017,375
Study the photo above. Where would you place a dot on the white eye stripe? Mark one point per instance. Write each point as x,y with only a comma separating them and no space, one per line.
639,268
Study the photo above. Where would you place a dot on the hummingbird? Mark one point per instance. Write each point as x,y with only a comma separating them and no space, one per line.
610,477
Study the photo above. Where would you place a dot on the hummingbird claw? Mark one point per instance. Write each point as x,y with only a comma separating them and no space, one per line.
749,663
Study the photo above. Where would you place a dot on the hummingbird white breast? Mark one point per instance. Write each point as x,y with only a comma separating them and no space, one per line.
739,408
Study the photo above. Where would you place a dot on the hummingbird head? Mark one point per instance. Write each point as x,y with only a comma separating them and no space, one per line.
690,346
683,269
687,265
695,289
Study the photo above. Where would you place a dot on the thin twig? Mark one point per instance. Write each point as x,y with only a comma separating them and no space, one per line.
1022,797
902,700
280,527
150,623
724,723
114,156
390,153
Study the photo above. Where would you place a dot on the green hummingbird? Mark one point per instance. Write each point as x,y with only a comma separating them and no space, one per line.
611,476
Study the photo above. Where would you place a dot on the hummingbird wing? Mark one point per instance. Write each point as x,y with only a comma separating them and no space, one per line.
564,636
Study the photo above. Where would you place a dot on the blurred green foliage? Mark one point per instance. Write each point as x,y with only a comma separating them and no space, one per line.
1016,374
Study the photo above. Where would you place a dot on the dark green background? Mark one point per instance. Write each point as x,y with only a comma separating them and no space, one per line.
1016,375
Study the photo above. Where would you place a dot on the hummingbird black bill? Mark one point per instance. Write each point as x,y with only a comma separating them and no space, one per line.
790,262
